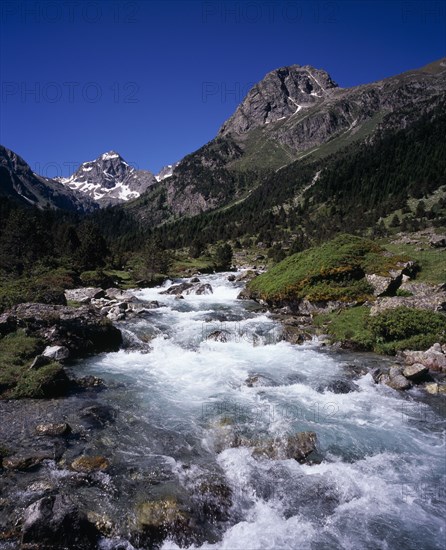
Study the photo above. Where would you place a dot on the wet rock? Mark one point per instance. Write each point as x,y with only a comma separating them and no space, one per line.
88,464
297,446
161,518
179,297
213,498
415,372
98,415
89,382
53,429
56,353
54,522
257,380
204,289
395,379
295,334
195,280
84,295
376,374
178,289
218,336
434,388
339,386
103,524
24,463
244,294
247,275
434,358
231,278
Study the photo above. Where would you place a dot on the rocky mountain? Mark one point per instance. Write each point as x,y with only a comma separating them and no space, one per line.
109,179
295,114
20,183
166,171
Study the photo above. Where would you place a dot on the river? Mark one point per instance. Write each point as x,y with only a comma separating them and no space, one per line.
376,481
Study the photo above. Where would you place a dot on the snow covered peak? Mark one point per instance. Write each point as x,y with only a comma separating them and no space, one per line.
109,179
110,155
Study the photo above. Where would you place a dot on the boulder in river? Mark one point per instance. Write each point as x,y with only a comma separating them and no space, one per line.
24,463
54,522
339,386
297,446
53,429
415,372
88,464
435,389
158,519
395,379
434,358
189,288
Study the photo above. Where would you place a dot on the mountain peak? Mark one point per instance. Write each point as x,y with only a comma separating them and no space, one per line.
109,179
110,155
282,93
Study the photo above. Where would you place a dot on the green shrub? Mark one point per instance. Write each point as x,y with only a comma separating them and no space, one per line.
332,271
97,278
407,328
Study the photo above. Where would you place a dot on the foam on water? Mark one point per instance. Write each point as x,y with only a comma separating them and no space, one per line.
381,480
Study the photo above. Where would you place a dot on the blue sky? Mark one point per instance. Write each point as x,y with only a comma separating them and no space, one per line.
155,80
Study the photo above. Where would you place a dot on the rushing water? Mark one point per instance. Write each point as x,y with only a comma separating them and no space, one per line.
377,480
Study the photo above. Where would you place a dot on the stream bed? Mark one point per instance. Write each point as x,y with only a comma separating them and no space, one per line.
168,415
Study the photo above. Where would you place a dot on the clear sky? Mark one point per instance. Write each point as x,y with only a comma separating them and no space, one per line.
155,80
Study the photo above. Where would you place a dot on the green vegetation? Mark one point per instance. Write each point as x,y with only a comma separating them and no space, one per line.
407,328
223,256
390,331
431,261
348,325
332,271
17,380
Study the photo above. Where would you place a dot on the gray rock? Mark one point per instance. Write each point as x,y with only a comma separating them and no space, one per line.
203,289
84,295
340,386
231,278
258,380
438,241
415,372
434,359
381,285
25,463
119,295
195,280
53,429
277,96
81,330
56,353
54,522
297,446
218,336
434,388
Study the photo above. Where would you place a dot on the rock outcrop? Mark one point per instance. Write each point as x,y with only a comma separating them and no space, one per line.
55,522
81,330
